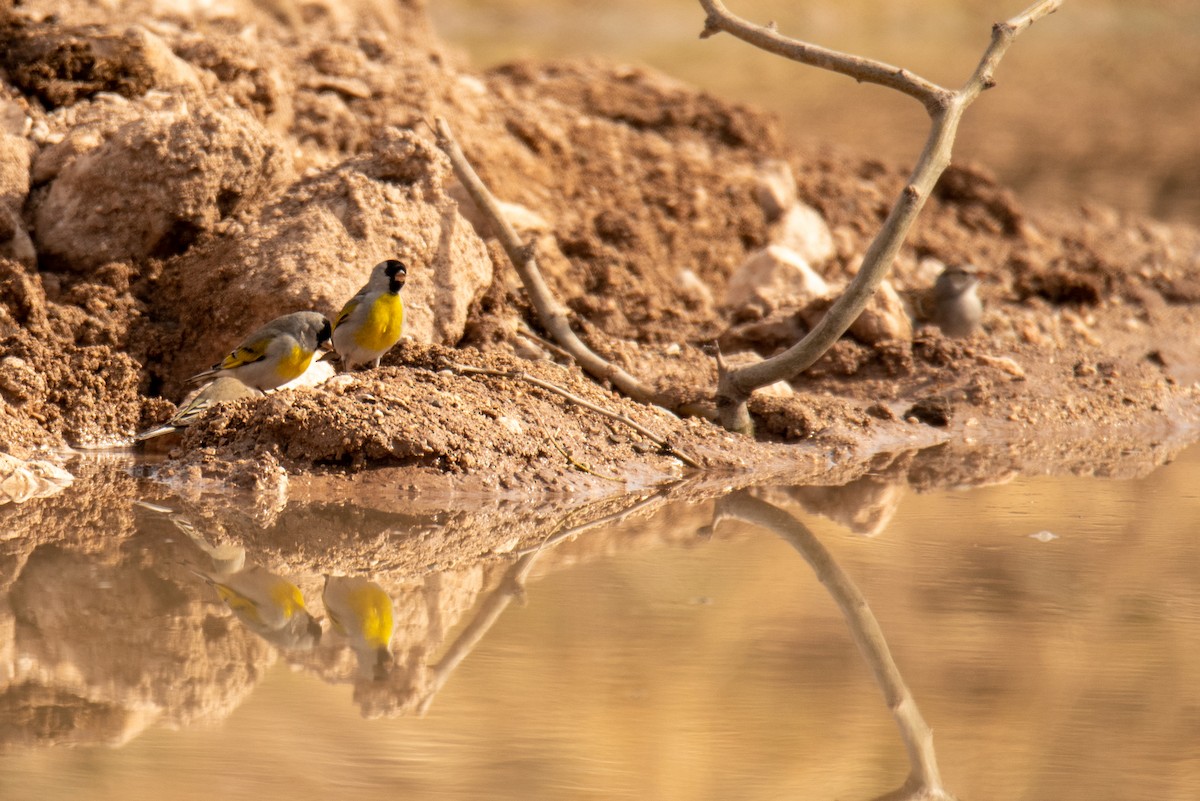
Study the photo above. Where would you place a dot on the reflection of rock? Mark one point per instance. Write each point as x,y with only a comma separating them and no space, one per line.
255,489
21,480
103,632
864,506
101,648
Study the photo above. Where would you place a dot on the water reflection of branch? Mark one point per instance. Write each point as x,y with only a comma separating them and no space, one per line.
924,780
615,517
512,586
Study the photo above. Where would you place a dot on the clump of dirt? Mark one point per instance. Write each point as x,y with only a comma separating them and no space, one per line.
45,383
176,182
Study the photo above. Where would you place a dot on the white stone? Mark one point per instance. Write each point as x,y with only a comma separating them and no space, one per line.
775,188
803,230
774,278
780,389
693,285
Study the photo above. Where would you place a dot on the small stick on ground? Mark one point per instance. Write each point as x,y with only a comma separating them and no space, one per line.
524,330
553,315
578,465
520,375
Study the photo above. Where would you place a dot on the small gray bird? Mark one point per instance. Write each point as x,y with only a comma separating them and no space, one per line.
958,311
223,389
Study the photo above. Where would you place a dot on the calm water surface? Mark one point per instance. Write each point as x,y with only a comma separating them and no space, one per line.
1047,628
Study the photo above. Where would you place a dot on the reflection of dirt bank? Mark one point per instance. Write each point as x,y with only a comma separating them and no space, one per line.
104,629
168,186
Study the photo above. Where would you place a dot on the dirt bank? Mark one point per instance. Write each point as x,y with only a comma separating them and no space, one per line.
171,182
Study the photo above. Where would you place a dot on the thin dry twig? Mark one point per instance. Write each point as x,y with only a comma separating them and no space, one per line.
924,779
664,445
524,330
552,314
578,465
512,587
615,517
945,108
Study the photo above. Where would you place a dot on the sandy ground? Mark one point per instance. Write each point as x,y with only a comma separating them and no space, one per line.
170,181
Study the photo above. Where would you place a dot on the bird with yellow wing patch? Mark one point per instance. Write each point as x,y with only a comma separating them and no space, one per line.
225,388
371,322
276,353
268,604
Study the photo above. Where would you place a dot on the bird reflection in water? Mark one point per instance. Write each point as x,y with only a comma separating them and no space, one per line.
266,603
360,611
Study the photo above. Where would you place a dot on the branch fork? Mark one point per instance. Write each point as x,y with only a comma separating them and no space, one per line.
945,108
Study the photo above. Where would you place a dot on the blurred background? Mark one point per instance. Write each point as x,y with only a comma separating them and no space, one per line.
1098,104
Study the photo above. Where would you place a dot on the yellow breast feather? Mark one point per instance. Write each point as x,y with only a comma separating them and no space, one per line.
374,609
294,363
288,596
385,320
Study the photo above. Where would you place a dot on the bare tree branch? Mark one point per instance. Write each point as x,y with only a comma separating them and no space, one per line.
864,70
924,779
553,315
945,109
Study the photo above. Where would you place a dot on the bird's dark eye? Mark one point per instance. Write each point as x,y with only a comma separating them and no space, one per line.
393,268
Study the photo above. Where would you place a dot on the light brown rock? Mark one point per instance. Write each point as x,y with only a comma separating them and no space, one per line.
15,151
314,248
883,319
156,184
775,188
804,231
774,278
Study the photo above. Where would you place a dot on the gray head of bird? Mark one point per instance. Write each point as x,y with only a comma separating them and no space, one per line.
302,633
315,329
954,282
